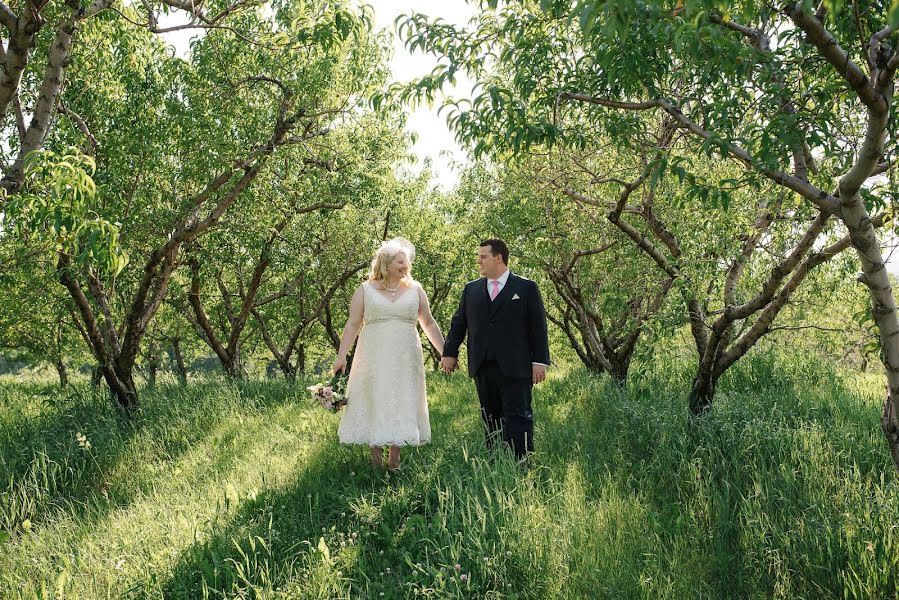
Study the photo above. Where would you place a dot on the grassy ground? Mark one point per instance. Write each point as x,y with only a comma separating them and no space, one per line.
214,490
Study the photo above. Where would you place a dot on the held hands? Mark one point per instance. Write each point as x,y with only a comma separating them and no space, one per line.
449,364
339,365
538,373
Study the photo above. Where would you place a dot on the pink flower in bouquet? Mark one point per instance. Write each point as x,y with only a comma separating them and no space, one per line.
327,396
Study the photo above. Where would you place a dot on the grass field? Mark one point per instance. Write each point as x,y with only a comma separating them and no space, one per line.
218,490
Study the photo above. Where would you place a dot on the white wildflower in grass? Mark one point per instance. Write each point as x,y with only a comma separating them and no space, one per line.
83,442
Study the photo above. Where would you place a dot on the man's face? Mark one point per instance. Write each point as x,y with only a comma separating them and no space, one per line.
490,266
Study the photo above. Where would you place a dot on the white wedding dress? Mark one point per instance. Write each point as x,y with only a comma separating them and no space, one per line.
386,402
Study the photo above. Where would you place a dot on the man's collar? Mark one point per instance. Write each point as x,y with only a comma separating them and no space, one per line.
502,279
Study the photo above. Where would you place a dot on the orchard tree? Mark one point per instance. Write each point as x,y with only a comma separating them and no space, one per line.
178,145
253,260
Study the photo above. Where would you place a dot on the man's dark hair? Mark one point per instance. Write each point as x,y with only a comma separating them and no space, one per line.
497,246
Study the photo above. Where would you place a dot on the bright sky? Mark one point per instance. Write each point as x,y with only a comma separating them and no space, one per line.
435,142
434,138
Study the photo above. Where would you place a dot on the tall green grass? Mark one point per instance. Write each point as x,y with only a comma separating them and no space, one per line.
217,490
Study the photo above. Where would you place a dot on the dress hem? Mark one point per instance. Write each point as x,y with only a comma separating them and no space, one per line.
357,442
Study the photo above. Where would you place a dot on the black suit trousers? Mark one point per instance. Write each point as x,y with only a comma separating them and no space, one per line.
506,408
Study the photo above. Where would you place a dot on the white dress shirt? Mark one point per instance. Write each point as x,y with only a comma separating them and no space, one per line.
502,279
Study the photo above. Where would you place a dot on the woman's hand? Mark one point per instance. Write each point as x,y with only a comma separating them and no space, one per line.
339,365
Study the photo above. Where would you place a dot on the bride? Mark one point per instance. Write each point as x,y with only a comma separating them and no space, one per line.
386,403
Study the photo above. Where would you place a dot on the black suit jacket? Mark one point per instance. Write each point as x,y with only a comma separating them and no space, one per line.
511,329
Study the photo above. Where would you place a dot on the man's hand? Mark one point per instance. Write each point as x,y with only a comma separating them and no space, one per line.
538,373
448,364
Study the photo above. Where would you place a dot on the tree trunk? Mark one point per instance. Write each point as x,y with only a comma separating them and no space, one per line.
619,372
233,366
152,369
701,395
179,361
288,370
96,376
63,374
301,359
125,394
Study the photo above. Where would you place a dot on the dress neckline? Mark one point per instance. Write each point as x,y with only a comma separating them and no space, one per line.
383,295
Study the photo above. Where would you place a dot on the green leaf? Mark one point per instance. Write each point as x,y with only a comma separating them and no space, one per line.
588,17
893,14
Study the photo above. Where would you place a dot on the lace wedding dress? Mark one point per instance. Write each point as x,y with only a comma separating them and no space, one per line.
386,403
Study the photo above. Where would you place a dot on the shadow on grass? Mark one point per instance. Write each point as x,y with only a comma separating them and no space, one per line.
759,488
367,518
46,468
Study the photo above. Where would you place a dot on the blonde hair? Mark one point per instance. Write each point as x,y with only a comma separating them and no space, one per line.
385,255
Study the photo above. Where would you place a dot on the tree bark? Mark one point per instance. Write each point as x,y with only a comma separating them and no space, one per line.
21,31
180,371
58,59
61,371
152,356
702,393
301,359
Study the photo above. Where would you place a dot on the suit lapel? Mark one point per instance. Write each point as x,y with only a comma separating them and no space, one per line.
504,294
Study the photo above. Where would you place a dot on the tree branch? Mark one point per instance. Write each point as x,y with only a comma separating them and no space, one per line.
8,18
830,49
79,122
820,198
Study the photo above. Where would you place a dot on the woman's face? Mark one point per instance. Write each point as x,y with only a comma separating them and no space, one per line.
399,266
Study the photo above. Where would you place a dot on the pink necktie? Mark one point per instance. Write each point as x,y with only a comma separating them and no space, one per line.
495,290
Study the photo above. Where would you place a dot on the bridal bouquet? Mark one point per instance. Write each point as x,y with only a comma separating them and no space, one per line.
331,396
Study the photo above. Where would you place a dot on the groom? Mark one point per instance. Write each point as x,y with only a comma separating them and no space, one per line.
508,347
